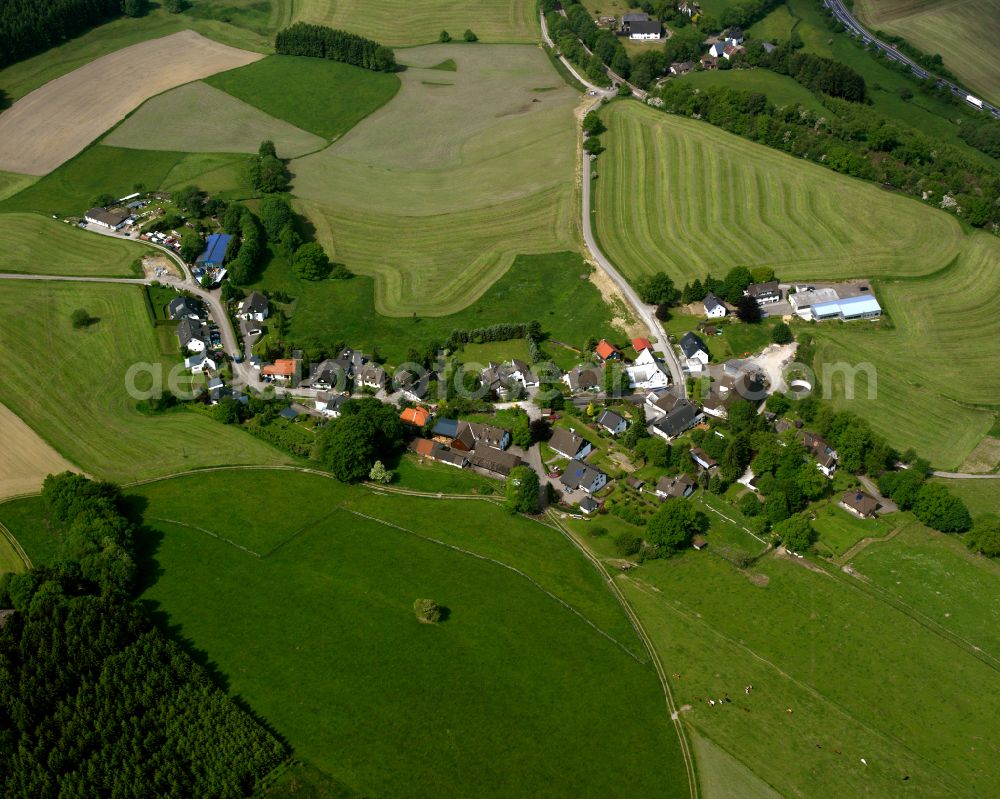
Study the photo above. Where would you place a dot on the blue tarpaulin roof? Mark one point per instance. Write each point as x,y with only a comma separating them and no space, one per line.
215,248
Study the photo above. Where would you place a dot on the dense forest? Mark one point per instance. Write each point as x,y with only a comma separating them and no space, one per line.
28,27
94,700
318,41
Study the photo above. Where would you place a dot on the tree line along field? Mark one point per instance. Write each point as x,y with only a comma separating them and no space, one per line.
327,651
36,245
435,193
680,195
78,401
954,29
842,667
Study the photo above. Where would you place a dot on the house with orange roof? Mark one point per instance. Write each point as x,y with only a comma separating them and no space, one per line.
282,369
607,351
640,344
418,416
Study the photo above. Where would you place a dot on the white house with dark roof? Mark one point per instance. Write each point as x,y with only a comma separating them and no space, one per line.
580,476
254,307
194,336
683,416
647,372
714,309
583,378
330,404
695,352
568,444
520,372
105,219
764,293
612,422
181,307
200,363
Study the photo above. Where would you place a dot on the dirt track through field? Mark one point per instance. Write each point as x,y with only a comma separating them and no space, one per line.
24,458
58,120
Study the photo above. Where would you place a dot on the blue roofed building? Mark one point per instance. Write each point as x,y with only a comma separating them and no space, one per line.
446,428
215,250
864,306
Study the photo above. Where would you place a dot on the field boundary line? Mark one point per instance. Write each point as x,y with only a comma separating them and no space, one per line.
809,689
500,563
661,673
863,544
8,536
296,533
208,533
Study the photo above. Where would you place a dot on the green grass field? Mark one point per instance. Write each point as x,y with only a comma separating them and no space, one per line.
936,577
753,206
801,219
326,98
981,496
421,21
324,646
548,288
780,89
36,245
838,674
71,189
11,183
197,117
69,385
952,28
435,193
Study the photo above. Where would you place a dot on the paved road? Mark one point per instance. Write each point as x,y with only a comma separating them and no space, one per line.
839,10
645,312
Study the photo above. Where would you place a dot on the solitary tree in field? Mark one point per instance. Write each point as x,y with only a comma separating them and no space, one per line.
427,611
781,334
469,36
444,37
80,317
311,262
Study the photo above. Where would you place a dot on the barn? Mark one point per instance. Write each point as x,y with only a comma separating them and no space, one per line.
215,250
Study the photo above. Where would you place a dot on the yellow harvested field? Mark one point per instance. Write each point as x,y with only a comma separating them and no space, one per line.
26,458
58,120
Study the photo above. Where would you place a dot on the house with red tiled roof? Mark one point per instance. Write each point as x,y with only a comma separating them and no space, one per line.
281,369
640,344
607,351
418,416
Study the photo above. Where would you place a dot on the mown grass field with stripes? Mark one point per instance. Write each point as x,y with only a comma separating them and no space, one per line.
303,601
956,29
435,193
69,385
680,195
33,244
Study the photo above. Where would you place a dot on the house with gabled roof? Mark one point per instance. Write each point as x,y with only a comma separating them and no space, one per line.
181,307
194,335
568,444
417,417
254,307
647,372
607,351
702,458
583,378
580,476
521,373
825,455
283,369
714,309
695,352
764,293
199,363
492,460
682,416
330,404
471,434
675,487
611,422
859,503
371,375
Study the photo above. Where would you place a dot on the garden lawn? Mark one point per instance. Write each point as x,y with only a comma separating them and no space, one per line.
34,244
434,478
326,98
933,575
76,399
377,699
437,192
838,675
548,288
952,29
839,530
